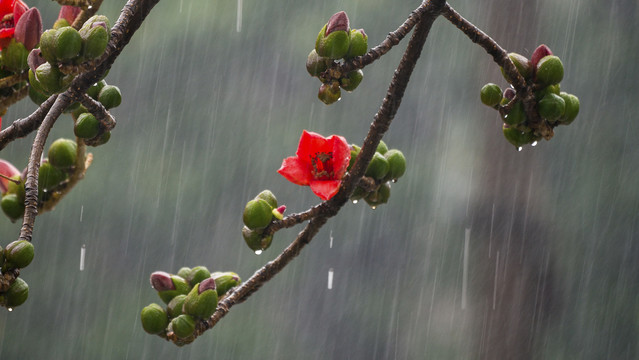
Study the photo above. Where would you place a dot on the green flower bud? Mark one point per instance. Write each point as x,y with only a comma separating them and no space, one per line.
94,90
517,115
14,56
517,137
19,253
16,188
378,197
49,176
154,319
354,152
60,23
257,214
396,163
359,44
174,307
315,64
79,111
358,193
197,275
551,107
68,43
184,272
47,45
12,206
268,196
550,89
169,286
550,70
382,148
255,240
17,293
51,80
329,93
225,281
202,299
62,153
101,140
352,80
572,108
378,167
110,96
36,96
87,126
522,64
183,326
490,94
333,41
94,20
95,41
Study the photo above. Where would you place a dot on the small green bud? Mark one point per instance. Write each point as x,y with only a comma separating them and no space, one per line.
68,43
60,23
358,193
354,152
169,286
87,126
51,80
62,153
572,108
225,281
49,176
154,319
521,63
47,45
359,44
382,148
16,188
17,293
101,140
352,80
94,20
12,206
267,196
183,326
94,90
315,64
184,272
517,115
14,56
202,299
490,94
174,307
378,197
551,107
95,41
333,41
329,93
79,111
19,253
36,93
378,167
110,96
396,164
255,240
197,275
517,137
257,214
550,70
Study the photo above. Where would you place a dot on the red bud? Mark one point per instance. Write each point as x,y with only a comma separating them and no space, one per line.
337,22
29,28
541,51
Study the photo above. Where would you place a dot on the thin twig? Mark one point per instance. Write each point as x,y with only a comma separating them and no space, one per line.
382,121
23,127
500,56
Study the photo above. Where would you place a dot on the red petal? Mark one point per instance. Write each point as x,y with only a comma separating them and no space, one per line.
6,7
325,189
19,8
6,169
310,144
341,155
296,171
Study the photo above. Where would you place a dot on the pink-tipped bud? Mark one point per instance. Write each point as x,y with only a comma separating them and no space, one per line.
161,281
7,169
509,93
281,209
337,22
69,13
35,59
206,284
540,52
29,28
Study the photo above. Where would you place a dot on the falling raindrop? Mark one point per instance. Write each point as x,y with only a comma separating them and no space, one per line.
83,250
81,212
330,243
330,278
258,252
238,25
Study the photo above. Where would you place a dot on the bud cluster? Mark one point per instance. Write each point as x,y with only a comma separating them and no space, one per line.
258,214
336,42
53,176
385,167
544,71
191,294
16,255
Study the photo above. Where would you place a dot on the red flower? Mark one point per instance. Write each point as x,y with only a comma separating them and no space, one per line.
10,13
320,163
6,169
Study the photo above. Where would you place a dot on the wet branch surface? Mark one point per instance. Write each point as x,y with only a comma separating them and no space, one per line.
426,16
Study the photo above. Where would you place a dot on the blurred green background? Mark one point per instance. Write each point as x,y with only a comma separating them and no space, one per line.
209,112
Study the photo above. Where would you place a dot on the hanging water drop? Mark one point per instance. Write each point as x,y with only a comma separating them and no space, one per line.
10,309
373,207
534,143
355,201
258,252
519,148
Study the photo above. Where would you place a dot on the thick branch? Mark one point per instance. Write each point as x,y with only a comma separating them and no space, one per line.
381,122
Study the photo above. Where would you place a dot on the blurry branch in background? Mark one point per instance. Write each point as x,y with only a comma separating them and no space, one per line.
424,18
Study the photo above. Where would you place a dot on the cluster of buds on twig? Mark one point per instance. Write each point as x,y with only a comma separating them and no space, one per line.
258,214
16,255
